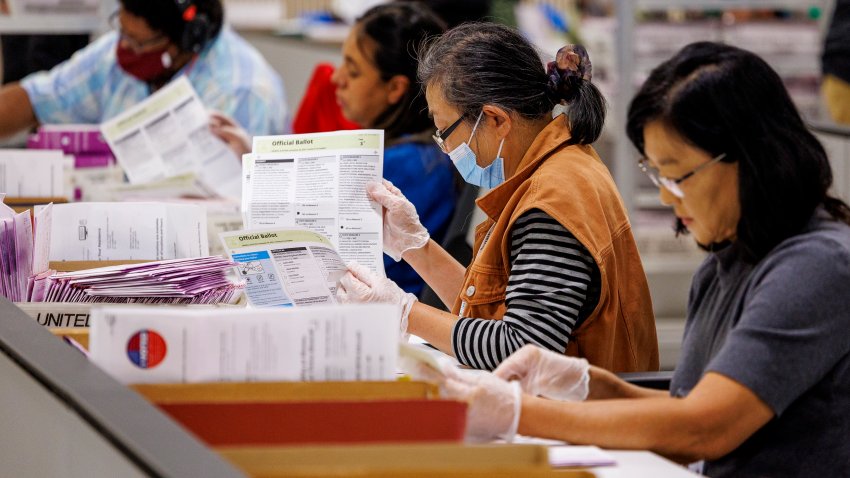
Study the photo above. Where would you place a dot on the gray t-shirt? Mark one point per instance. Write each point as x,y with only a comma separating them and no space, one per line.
781,328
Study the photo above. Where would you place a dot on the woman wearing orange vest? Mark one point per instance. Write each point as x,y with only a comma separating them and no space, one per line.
555,263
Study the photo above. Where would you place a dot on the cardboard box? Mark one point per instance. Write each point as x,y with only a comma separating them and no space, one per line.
397,460
81,336
21,204
285,391
321,422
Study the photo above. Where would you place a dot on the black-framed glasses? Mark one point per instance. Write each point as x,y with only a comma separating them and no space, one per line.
135,45
440,136
672,184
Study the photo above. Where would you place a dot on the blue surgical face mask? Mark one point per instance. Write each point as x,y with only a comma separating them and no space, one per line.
465,161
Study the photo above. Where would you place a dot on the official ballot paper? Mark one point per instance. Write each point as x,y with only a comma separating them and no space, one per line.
285,267
166,344
318,182
168,135
126,231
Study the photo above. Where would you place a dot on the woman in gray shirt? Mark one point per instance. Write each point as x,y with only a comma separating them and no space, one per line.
763,384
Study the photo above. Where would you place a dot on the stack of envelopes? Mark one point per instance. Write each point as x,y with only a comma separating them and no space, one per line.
16,243
201,280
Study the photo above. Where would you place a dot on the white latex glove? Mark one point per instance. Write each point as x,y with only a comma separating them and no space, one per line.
229,131
402,229
361,285
546,373
493,404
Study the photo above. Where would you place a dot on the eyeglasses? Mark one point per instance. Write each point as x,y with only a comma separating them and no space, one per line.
672,184
440,136
135,45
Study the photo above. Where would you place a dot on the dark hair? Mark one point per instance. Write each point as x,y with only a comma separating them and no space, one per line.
723,99
396,30
477,64
454,12
165,17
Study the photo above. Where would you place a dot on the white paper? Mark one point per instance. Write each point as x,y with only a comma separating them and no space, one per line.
285,267
23,253
153,345
126,231
412,356
41,248
5,211
168,135
32,173
167,189
318,182
571,455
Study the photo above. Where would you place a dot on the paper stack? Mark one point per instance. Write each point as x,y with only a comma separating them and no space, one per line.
202,280
84,142
16,251
94,164
32,173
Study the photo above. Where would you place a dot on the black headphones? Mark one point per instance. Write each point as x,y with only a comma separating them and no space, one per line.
196,28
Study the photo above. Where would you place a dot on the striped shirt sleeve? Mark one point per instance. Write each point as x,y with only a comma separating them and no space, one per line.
552,286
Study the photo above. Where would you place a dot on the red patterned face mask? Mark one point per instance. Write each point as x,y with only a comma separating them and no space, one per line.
147,66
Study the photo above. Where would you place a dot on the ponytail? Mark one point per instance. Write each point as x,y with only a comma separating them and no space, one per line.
570,85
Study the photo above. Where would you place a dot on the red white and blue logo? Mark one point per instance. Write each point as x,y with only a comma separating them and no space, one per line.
146,349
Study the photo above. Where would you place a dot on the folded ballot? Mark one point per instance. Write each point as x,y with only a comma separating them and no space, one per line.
200,280
168,135
333,343
285,267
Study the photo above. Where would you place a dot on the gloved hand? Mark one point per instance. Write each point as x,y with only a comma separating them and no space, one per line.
229,131
402,229
361,285
494,404
546,373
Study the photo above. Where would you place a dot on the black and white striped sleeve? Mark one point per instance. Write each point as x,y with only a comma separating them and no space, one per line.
552,286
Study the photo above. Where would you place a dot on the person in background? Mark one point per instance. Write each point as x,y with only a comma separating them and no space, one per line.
377,88
555,261
762,387
835,64
318,110
154,41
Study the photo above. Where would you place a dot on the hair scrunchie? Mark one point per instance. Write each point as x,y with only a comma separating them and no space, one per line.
572,61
